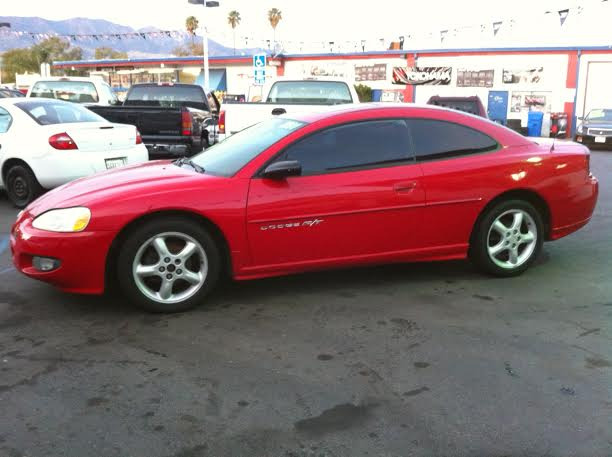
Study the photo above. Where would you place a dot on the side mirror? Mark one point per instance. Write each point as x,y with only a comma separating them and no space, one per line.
284,169
580,118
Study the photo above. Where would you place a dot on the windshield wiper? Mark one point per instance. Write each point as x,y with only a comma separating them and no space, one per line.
187,161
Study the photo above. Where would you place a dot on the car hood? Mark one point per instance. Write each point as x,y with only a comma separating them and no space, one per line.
141,179
597,124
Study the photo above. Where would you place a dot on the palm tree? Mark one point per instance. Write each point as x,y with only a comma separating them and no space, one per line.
233,19
191,24
274,16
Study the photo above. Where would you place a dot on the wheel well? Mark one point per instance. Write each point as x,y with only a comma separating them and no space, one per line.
520,194
213,229
8,164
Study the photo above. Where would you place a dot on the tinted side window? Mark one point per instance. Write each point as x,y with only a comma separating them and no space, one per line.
362,144
441,140
5,120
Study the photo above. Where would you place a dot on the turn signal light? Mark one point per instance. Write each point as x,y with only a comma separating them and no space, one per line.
138,137
63,142
222,122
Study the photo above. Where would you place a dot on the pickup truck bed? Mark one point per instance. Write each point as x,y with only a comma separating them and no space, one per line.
173,119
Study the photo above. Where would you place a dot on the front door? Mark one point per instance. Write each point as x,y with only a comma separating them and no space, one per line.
359,196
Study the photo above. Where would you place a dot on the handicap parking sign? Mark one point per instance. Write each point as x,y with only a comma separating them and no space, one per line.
259,68
259,61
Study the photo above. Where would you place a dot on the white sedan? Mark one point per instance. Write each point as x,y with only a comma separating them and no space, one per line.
47,143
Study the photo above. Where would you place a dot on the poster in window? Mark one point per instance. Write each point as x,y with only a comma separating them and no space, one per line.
376,72
439,76
523,76
475,78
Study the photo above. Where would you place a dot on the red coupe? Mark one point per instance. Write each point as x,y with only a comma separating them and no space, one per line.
360,185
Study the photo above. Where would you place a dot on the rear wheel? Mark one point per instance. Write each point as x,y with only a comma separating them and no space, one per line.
168,265
22,186
508,238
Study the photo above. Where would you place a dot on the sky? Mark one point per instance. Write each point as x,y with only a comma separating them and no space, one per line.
323,20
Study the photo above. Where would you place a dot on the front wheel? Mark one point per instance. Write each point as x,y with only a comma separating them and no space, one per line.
508,238
168,265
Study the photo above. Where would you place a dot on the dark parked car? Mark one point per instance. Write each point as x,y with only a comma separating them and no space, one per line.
471,105
173,119
10,93
595,128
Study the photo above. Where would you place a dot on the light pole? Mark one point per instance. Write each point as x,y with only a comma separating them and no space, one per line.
206,4
8,26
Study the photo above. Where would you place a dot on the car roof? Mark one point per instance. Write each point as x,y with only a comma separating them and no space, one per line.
338,110
27,100
71,78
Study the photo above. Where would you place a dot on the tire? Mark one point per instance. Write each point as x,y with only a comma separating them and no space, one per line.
22,186
189,278
509,250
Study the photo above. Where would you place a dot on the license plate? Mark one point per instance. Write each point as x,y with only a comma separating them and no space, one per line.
115,163
600,139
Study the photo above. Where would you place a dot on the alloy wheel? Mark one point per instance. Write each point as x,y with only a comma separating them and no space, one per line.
170,267
512,239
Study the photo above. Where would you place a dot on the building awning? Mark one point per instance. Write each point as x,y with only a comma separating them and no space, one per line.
217,76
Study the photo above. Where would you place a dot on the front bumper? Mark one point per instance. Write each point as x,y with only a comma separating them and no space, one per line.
82,256
590,140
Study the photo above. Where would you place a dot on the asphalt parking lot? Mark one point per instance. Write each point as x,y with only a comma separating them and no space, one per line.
407,360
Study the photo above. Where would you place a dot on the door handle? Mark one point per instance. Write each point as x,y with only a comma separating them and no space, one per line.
278,111
404,187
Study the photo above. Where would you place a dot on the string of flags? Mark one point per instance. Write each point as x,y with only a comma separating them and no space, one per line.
175,34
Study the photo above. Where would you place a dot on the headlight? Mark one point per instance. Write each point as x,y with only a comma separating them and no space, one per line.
580,129
63,220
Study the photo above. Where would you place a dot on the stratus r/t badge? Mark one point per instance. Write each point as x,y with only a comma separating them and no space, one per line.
309,223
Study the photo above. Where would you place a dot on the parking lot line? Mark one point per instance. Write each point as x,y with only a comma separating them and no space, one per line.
7,270
4,242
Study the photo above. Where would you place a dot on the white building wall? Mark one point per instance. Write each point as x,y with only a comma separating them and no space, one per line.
552,84
344,69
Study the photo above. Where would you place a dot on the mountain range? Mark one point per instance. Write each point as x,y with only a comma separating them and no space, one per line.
135,47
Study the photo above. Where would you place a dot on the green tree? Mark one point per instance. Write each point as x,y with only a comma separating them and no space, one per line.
364,92
21,60
233,19
105,52
274,16
191,24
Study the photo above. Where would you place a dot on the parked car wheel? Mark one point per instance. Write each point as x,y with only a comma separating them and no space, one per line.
508,238
22,186
168,265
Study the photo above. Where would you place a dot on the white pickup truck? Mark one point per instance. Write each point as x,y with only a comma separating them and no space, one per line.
286,96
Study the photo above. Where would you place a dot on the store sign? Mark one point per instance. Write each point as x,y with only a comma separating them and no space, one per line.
524,76
376,72
422,75
478,78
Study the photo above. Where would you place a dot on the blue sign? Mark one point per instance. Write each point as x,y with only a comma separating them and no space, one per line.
259,68
259,61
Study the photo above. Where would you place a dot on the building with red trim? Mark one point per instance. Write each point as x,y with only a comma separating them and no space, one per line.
509,81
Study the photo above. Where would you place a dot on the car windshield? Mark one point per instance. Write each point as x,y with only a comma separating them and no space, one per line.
603,115
312,92
49,112
229,156
71,91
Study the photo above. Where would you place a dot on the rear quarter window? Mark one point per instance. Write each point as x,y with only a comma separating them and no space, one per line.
435,140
